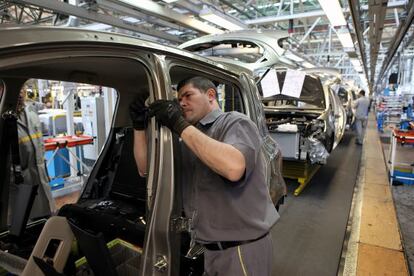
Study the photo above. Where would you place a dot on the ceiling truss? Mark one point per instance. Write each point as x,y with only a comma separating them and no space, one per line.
377,26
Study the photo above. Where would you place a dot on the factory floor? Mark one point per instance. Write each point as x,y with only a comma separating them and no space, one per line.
344,222
403,194
375,241
309,236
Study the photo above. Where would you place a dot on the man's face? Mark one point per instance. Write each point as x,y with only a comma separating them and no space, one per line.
195,103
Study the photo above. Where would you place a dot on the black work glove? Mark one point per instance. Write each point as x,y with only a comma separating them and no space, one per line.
139,113
169,114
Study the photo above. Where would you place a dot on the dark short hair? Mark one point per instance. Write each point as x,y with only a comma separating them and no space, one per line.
362,92
201,83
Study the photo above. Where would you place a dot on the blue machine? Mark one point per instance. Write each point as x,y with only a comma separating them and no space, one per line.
403,177
380,121
58,166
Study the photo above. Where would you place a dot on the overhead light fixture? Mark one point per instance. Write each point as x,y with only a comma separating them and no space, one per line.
96,27
308,65
346,40
333,11
131,20
363,78
220,19
169,1
356,64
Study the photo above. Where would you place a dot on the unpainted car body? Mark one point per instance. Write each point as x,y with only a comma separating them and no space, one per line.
347,97
308,128
115,200
323,123
254,49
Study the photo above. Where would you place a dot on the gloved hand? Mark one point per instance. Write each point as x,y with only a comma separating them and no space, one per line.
139,113
169,114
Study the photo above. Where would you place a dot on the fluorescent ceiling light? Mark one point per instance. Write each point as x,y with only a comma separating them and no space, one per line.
96,27
131,19
169,1
220,19
333,11
356,64
345,39
307,65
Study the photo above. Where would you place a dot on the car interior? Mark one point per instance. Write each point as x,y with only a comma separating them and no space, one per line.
114,200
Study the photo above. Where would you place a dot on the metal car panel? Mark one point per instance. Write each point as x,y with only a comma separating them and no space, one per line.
289,143
22,48
268,43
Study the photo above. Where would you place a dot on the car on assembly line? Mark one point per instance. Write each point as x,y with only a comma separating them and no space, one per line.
307,125
347,97
115,202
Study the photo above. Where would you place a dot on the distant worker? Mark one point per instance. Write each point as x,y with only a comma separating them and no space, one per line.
361,106
30,140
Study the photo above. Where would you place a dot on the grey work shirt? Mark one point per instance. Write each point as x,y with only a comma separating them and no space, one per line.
223,210
361,108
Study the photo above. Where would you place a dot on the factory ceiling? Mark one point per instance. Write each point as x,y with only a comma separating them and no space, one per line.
367,45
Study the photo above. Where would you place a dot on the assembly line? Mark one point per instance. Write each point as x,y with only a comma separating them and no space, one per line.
149,139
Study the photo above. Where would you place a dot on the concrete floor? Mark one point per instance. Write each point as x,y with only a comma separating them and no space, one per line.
309,237
404,202
404,199
378,243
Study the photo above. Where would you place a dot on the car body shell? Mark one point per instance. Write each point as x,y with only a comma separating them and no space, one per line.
332,125
347,97
128,65
274,56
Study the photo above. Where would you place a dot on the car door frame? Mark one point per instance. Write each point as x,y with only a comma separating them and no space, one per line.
158,151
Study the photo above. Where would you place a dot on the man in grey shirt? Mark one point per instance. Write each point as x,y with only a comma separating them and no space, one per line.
361,106
225,192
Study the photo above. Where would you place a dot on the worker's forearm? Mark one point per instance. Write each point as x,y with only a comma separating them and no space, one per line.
222,158
140,151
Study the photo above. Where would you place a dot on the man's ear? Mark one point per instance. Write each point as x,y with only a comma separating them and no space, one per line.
211,93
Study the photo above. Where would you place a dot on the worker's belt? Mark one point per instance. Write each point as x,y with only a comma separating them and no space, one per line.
227,244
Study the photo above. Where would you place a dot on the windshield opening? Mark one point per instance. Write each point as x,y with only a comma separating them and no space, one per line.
311,95
343,95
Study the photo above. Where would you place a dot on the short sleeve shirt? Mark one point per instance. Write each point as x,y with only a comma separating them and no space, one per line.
223,210
361,106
